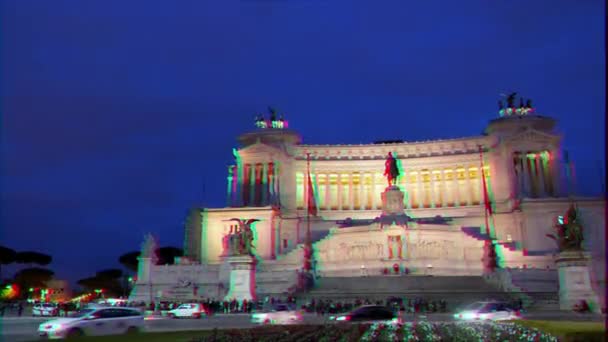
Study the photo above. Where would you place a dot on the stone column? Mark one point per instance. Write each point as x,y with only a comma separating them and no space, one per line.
373,191
339,182
552,174
455,187
433,196
529,177
264,184
471,186
444,187
523,172
271,194
257,185
420,188
327,191
351,195
407,190
246,187
540,170
361,196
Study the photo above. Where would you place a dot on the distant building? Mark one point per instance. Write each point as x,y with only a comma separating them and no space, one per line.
58,290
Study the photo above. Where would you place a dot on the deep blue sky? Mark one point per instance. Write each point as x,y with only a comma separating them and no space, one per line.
117,116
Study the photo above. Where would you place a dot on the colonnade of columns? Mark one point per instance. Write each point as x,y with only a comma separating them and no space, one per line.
534,174
253,185
424,188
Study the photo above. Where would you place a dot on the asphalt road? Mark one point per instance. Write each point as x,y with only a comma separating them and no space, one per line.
20,329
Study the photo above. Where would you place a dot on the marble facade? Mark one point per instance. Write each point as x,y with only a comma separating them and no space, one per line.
520,160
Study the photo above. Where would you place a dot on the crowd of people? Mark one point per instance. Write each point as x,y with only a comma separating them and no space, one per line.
318,306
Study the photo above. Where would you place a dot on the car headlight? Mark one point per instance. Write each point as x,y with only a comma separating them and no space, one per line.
53,327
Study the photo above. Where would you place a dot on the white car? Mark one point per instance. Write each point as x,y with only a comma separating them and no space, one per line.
45,309
487,311
94,322
191,310
280,314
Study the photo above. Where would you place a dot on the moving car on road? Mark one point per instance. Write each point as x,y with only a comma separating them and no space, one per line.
279,314
191,310
94,322
487,311
45,309
368,313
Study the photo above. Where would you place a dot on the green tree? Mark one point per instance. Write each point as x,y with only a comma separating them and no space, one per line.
30,257
129,260
7,257
166,255
33,277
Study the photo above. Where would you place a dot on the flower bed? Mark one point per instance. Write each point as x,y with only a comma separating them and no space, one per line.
421,331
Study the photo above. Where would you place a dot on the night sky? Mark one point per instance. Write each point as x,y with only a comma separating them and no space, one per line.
118,116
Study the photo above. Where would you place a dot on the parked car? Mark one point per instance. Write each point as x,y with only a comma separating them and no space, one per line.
368,313
94,322
488,311
279,314
45,309
191,310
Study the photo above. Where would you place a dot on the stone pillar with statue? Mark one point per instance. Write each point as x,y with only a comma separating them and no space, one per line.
573,264
392,197
143,289
393,208
242,261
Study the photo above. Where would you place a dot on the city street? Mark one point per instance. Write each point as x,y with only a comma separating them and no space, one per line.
19,329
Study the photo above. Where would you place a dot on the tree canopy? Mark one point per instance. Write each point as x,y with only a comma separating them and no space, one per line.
129,260
7,255
166,255
111,273
30,257
33,276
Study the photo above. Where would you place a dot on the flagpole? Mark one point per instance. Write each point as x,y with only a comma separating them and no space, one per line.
308,246
485,191
491,262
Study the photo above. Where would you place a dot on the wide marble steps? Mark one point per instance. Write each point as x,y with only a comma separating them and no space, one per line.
406,283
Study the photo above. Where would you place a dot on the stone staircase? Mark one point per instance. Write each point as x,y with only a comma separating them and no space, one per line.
540,285
456,290
280,276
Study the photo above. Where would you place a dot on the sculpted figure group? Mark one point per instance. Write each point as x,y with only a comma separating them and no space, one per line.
240,240
569,233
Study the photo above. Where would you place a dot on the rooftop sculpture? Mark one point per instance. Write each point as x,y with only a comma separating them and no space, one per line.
508,107
272,122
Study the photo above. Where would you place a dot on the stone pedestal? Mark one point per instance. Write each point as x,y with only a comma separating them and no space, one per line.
242,278
574,281
392,201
